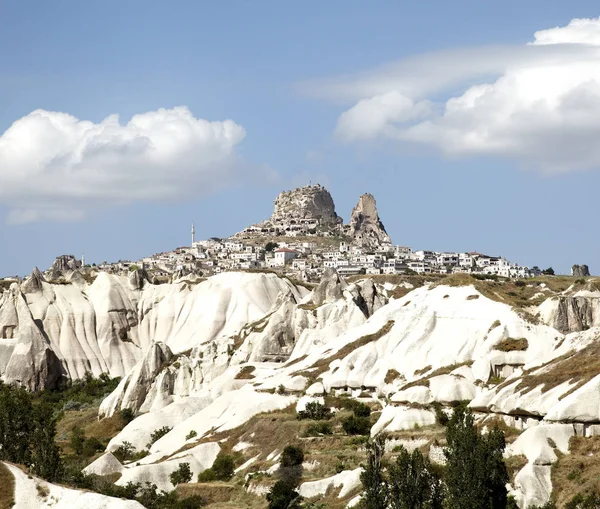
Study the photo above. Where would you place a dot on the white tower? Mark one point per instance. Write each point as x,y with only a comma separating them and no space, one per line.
82,260
193,233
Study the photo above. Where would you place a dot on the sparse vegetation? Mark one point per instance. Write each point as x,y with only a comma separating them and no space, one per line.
323,364
157,434
512,345
245,373
391,375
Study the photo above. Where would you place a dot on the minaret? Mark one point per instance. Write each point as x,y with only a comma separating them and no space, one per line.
193,233
82,260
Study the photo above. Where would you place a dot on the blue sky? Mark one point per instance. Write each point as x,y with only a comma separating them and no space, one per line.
285,74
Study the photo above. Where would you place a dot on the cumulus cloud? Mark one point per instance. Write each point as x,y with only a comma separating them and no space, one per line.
540,103
54,166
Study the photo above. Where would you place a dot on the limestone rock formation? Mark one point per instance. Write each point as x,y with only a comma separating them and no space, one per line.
303,210
365,225
34,283
580,271
65,263
305,203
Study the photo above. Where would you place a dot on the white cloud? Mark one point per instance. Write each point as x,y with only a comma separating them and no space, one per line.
379,115
54,166
541,107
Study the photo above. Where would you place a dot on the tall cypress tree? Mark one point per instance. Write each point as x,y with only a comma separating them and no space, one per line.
476,475
375,495
414,484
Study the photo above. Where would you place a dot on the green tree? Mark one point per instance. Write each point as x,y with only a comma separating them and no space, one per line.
223,467
548,272
375,486
182,475
476,475
291,456
413,482
315,411
45,454
77,440
354,425
16,425
283,495
270,246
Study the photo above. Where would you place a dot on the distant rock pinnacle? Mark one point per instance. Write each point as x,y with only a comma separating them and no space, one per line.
365,226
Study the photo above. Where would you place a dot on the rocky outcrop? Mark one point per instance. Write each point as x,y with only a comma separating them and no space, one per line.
65,263
365,225
32,363
580,271
33,284
329,289
305,203
573,314
133,389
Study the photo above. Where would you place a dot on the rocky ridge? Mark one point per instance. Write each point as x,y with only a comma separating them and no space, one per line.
209,356
310,210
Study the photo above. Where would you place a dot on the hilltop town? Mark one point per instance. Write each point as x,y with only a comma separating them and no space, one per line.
303,237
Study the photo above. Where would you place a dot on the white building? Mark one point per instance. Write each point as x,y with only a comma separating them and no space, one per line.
284,256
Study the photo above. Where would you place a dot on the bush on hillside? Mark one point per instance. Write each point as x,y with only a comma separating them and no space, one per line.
223,467
157,434
314,411
318,429
182,475
355,425
126,415
124,452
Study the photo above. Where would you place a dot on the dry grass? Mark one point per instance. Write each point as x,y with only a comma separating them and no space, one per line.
444,370
519,293
472,297
245,373
7,487
495,323
323,364
87,420
214,492
578,471
391,375
514,464
512,345
579,367
309,306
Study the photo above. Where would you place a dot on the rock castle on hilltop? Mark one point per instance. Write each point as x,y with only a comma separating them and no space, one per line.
310,211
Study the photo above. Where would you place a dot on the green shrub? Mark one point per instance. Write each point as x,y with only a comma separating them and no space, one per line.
355,425
191,435
223,467
314,411
124,452
182,475
91,446
77,440
157,434
207,476
291,456
126,415
362,410
320,428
